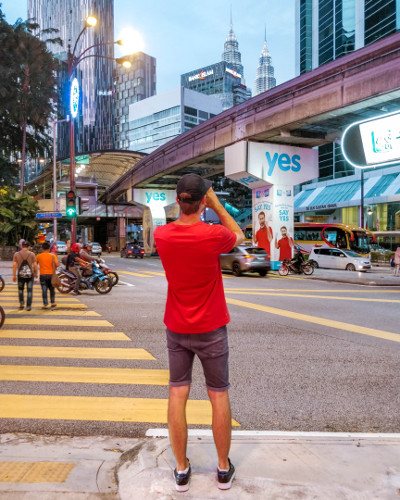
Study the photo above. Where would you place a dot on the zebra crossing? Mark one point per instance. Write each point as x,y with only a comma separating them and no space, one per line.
23,362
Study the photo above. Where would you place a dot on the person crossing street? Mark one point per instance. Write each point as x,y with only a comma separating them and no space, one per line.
24,271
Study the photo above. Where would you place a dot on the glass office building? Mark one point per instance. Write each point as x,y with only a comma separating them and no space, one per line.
130,86
158,119
94,125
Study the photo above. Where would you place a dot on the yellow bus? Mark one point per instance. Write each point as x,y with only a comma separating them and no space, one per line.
314,234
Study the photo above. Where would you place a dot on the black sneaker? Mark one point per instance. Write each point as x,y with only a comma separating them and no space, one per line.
225,477
21,307
182,479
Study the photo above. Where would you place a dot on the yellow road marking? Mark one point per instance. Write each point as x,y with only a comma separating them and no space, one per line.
35,472
298,290
35,351
73,374
135,274
198,412
66,335
57,322
151,272
329,297
319,321
60,307
59,298
51,312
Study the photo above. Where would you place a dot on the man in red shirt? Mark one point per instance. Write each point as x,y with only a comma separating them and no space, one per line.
196,316
285,245
263,236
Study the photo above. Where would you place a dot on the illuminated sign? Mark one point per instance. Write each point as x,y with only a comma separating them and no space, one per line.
202,75
104,92
233,72
373,142
74,98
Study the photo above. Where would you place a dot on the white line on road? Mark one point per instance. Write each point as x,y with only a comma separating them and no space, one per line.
124,283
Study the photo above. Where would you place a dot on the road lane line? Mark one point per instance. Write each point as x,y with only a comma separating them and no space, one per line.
135,274
319,321
36,351
328,297
52,312
57,322
59,298
198,412
83,375
301,290
151,272
63,335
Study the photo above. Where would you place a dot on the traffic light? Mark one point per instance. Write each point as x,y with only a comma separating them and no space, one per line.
71,204
83,204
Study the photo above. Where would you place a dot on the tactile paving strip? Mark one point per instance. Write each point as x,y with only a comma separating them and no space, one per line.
35,472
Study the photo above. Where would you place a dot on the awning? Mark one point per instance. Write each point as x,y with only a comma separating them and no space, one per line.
347,193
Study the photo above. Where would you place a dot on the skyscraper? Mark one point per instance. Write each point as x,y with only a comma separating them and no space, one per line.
94,125
224,79
133,85
265,79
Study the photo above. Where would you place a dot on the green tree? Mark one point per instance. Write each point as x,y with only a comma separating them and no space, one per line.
27,92
17,217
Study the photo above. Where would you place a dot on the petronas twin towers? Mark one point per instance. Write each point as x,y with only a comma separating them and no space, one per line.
265,79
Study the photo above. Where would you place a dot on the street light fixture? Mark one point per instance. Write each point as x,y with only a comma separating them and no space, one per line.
73,62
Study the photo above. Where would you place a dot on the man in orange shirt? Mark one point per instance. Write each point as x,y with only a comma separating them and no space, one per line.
285,245
45,261
263,237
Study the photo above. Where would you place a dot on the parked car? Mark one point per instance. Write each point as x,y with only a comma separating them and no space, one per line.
96,249
133,249
335,258
61,247
244,258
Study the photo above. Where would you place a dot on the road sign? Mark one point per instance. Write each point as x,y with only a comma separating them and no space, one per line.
48,215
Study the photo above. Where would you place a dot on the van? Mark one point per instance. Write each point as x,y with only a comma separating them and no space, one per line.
335,258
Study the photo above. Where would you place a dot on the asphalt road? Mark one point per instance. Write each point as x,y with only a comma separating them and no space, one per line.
304,355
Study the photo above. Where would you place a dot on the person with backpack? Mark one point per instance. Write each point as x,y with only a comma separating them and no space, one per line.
47,263
25,269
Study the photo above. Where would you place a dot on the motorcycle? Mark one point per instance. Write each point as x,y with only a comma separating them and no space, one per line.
108,248
287,267
2,316
98,281
2,283
107,271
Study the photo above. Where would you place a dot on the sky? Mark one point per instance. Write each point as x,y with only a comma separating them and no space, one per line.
184,35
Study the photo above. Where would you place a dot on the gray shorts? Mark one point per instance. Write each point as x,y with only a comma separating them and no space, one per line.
212,350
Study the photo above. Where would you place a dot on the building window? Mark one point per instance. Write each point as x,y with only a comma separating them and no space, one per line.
190,111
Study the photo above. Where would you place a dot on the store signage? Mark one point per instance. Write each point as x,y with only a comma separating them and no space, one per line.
373,142
202,75
233,72
74,98
154,197
105,92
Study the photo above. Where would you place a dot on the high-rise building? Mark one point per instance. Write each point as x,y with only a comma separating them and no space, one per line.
265,79
328,29
224,79
158,119
325,31
94,125
130,86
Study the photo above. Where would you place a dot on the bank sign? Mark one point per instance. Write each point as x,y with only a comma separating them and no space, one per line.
255,164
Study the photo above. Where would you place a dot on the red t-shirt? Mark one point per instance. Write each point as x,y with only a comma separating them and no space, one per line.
285,250
262,239
190,256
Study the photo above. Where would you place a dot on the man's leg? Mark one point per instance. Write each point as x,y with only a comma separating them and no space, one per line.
177,425
21,285
29,291
221,425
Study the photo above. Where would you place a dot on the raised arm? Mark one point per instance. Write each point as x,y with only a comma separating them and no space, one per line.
227,220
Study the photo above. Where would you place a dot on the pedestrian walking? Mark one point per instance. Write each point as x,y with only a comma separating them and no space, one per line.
25,271
196,316
47,264
396,260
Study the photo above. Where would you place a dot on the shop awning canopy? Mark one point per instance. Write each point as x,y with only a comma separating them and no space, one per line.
377,189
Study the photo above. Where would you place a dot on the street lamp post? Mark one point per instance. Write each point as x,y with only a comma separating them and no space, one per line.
73,62
55,175
362,199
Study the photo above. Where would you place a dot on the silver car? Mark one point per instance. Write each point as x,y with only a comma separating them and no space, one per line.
96,249
335,258
244,258
61,247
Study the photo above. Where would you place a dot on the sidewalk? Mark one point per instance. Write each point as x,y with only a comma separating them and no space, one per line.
273,466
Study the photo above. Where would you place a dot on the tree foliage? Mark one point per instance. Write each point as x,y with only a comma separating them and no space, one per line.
27,92
17,217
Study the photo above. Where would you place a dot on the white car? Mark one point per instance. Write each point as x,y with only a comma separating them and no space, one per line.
96,249
335,258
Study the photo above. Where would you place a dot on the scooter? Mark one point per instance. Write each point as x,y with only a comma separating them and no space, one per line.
287,267
107,271
97,281
109,248
2,283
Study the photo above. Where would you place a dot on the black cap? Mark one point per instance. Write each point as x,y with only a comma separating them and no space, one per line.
193,187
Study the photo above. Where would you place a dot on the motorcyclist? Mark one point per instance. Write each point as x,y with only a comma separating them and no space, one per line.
72,264
297,260
85,255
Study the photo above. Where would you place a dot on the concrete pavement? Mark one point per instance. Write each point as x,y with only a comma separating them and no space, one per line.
269,465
